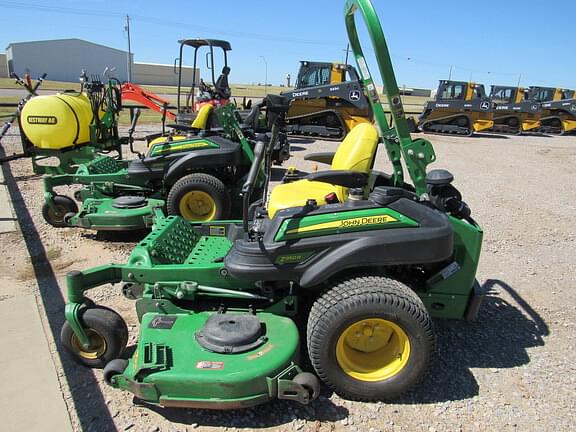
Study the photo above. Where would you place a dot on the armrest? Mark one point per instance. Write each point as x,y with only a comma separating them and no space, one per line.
325,157
346,178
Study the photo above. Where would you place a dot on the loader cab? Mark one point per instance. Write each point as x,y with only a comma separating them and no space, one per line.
549,94
313,74
210,57
459,90
507,95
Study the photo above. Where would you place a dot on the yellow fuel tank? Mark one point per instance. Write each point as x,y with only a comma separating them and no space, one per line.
58,121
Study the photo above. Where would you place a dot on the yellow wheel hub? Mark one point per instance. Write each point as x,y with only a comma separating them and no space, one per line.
96,349
372,350
197,206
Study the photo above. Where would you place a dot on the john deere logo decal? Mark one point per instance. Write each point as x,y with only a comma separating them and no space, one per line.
346,223
354,95
181,145
339,223
485,106
367,221
42,120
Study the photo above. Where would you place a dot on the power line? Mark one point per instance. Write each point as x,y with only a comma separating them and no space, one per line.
163,22
58,9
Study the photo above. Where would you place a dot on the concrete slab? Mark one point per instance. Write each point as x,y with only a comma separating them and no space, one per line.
30,399
7,219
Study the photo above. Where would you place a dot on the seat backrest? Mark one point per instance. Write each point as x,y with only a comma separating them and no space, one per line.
221,86
357,151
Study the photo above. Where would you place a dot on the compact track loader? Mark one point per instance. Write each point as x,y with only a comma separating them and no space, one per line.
328,100
360,260
558,115
513,112
460,108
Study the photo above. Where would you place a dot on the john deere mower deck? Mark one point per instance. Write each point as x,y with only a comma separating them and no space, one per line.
361,259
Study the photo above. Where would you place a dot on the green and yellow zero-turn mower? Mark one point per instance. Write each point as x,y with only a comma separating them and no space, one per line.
360,259
190,171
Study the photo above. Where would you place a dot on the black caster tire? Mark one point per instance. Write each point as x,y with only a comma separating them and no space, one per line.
370,338
68,218
114,367
107,332
64,205
310,382
199,197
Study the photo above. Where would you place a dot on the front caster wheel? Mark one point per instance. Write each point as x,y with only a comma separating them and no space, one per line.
107,332
370,338
309,382
62,206
113,368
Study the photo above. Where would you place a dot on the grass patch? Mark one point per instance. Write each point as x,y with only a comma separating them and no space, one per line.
9,83
412,104
238,90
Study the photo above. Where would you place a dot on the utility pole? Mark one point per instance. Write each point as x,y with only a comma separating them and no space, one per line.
129,59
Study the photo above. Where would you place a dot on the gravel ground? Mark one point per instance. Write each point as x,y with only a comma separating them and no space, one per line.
512,370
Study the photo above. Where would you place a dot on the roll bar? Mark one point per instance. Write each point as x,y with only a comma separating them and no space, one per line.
418,153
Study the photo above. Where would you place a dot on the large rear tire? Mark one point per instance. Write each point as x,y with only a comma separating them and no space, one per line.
370,338
199,197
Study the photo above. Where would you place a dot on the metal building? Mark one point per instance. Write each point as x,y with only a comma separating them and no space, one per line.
162,74
3,66
64,59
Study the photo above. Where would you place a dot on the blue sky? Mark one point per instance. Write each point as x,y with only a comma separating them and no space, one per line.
493,42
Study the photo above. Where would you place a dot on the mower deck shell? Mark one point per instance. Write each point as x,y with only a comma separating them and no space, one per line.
170,368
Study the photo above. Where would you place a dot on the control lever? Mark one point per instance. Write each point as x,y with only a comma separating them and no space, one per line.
248,186
131,132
